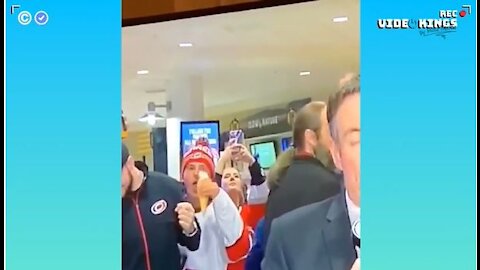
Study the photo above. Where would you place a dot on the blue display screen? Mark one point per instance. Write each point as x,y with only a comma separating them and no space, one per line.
265,152
191,132
286,143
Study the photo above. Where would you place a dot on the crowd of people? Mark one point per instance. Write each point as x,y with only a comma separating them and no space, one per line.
227,215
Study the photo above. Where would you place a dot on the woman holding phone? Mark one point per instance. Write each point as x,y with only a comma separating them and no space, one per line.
238,157
235,188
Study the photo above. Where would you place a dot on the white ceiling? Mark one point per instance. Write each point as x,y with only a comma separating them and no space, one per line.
247,60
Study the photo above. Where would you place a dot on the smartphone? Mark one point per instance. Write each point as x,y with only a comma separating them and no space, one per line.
236,137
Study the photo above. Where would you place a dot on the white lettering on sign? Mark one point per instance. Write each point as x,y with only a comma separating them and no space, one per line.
267,121
202,148
200,131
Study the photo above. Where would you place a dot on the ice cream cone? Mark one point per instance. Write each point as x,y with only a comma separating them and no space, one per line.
203,199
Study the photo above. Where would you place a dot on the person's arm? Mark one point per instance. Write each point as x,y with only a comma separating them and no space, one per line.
228,218
256,173
274,254
258,190
258,194
239,251
190,241
223,162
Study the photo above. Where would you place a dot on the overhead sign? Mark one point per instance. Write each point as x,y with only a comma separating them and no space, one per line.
272,121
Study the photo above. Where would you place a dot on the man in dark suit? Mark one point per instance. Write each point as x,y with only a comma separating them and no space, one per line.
305,179
319,236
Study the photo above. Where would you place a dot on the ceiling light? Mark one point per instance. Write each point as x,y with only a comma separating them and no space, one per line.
304,73
142,72
185,45
340,19
151,118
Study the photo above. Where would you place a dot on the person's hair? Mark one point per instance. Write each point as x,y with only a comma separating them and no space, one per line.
142,166
279,168
307,117
349,85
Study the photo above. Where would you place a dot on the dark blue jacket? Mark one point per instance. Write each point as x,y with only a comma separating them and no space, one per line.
255,257
150,230
316,236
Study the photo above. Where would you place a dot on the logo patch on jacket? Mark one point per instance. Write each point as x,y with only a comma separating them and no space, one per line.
158,207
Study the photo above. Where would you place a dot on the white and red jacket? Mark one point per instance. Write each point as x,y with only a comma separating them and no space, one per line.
256,204
251,213
222,226
238,252
257,192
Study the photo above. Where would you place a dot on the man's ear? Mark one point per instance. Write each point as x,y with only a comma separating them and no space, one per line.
310,137
335,152
130,164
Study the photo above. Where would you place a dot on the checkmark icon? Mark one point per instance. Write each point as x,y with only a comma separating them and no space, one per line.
41,17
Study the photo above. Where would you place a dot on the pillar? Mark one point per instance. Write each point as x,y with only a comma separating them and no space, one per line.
186,97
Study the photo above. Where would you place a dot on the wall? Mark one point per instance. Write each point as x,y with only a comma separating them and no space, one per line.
218,113
136,9
138,139
138,143
225,119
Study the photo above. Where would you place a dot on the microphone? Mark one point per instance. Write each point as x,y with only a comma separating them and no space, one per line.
356,236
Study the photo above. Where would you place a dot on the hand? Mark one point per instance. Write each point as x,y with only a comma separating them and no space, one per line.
356,265
186,217
246,157
239,152
208,188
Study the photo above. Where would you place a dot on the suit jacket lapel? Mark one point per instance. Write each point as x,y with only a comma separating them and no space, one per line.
337,233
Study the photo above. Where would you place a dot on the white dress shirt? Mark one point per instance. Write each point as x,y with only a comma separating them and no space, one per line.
354,216
353,210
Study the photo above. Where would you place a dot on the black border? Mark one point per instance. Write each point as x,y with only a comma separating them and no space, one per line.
209,11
